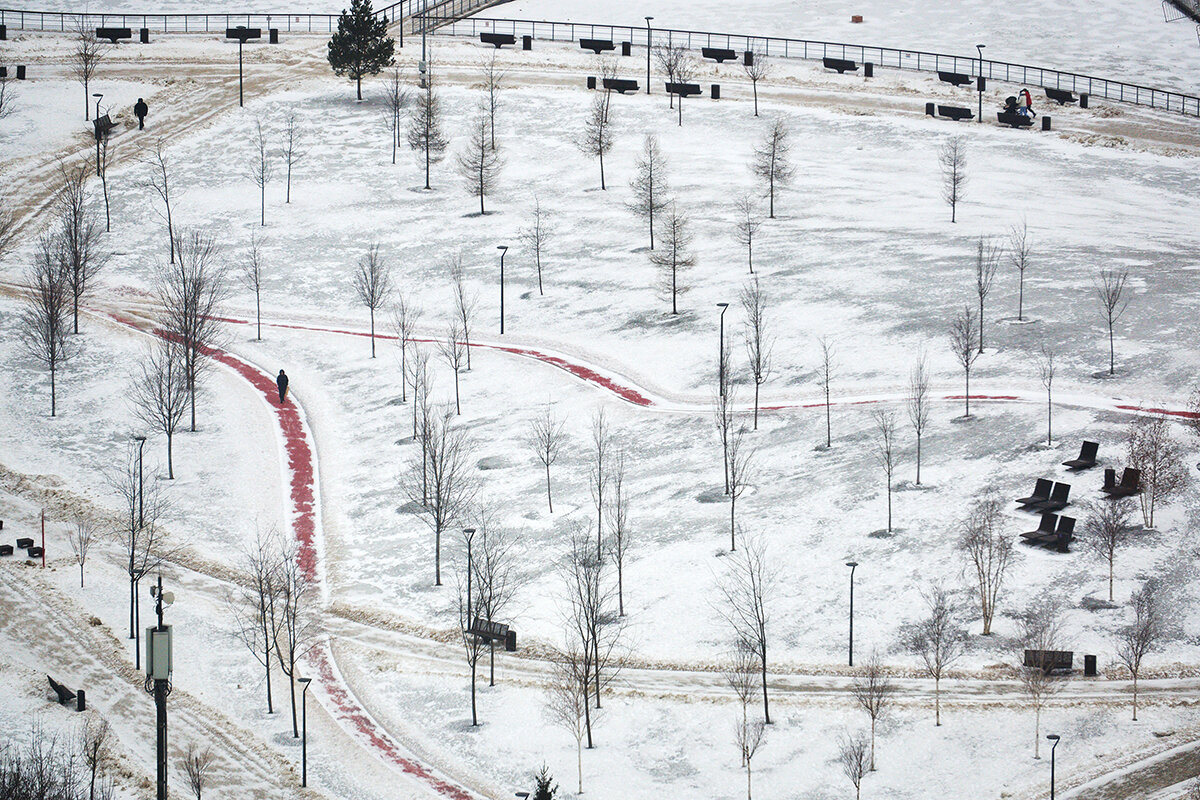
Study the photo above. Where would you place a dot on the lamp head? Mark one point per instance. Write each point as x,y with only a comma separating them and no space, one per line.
305,681
649,18
468,531
502,247
97,95
139,438
1054,737
980,46
722,305
851,564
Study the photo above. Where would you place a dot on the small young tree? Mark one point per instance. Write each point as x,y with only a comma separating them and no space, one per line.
95,745
938,640
80,254
44,323
8,229
256,608
1040,637
454,352
292,149
649,183
536,235
1142,637
749,735
547,435
197,766
251,277
987,261
1154,452
159,180
771,161
8,98
373,285
405,317
479,163
759,342
84,531
425,129
825,371
1046,370
917,404
620,537
742,676
142,535
962,344
361,45
496,577
749,220
1106,531
1019,250
952,156
395,98
416,378
745,593
670,58
107,149
546,787
872,690
599,470
988,551
1110,291
85,59
469,610
852,755
297,631
597,136
567,701
675,255
887,450
465,303
441,480
159,393
757,68
740,457
262,170
591,622
723,405
493,85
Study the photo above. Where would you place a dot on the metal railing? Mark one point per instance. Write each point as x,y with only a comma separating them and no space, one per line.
188,23
437,13
1022,74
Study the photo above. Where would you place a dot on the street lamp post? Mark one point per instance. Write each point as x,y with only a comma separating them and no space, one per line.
97,95
648,54
1054,738
304,730
979,49
852,565
503,251
135,615
158,678
721,352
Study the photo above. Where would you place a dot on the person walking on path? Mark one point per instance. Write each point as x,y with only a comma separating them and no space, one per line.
140,110
1027,104
282,383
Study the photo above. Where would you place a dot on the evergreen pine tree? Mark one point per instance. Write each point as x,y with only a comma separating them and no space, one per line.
546,788
361,45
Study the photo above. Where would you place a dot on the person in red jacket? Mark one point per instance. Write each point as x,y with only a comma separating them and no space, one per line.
1026,104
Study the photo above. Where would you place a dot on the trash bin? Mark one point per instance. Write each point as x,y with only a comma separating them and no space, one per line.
3,32
526,42
144,35
1045,122
591,82
716,91
1089,666
3,72
80,701
274,35
929,110
748,58
1083,100
626,48
868,70
21,72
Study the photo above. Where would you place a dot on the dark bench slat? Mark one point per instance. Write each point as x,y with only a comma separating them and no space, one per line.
957,78
596,45
842,65
718,54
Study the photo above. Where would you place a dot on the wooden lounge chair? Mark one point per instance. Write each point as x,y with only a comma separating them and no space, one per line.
1059,499
1131,484
1041,493
1087,457
1049,521
1065,533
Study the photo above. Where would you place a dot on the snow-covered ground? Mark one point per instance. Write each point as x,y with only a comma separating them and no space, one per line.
862,252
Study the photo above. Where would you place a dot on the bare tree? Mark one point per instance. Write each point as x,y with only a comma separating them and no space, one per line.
425,129
1046,370
749,220
441,481
670,59
852,756
292,148
479,163
493,85
296,633
197,766
8,227
740,457
742,676
405,317
534,237
251,277
567,700
938,640
952,156
749,735
872,690
85,59
987,261
591,623
988,550
723,405
469,611
1110,291
597,136
84,531
759,343
1142,637
158,394
1040,637
962,344
757,68
262,171
159,180
373,285
8,98
1019,251
1107,530
107,148
454,352
416,378
649,183
745,591
675,256
496,576
45,318
1152,450
599,475
80,253
547,435
887,450
917,404
620,537
465,303
190,293
825,371
771,161
395,98
95,745
256,610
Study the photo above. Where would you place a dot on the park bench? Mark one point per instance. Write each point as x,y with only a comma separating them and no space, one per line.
957,78
6,549
683,89
114,34
1045,529
1054,531
842,65
1087,457
718,54
1050,660
1014,120
956,113
64,694
497,39
489,631
24,543
1041,493
1060,96
621,85
597,46
1130,483
35,552
1059,499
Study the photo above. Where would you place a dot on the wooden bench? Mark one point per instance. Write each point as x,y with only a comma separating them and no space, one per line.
597,46
497,39
6,549
114,34
1130,484
65,695
956,112
621,85
1014,120
957,78
683,89
24,543
718,54
1050,660
840,64
1060,96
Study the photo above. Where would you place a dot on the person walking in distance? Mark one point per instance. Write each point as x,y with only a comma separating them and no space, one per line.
140,110
1026,104
282,383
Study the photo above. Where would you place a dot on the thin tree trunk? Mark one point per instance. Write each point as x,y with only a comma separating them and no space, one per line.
53,399
756,98
457,404
549,499
292,683
732,530
474,716
372,333
437,556
587,722
170,462
602,186
937,701
756,385
258,312
270,708
620,589
766,705
918,459
872,743
288,198
1111,362
1021,297
492,660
